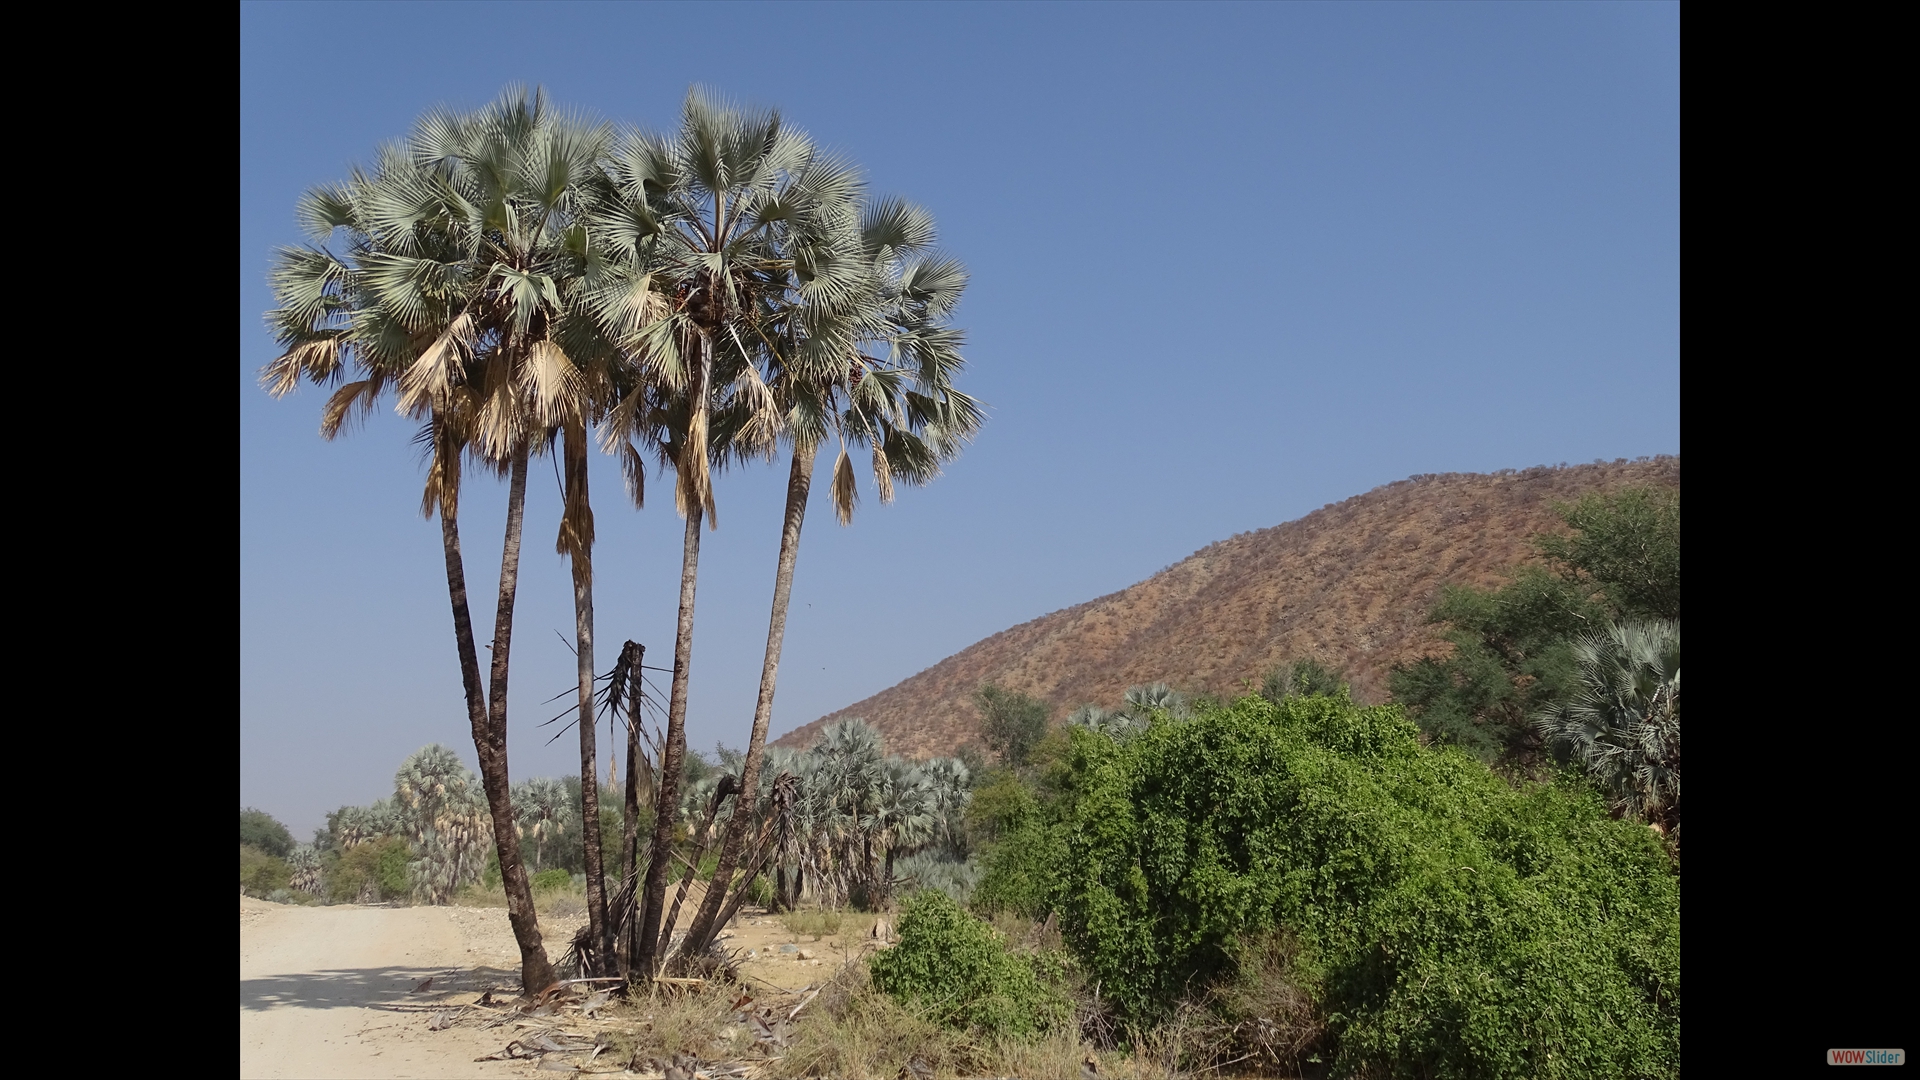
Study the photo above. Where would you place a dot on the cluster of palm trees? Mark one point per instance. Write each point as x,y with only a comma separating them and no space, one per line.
858,812
1136,711
437,807
523,282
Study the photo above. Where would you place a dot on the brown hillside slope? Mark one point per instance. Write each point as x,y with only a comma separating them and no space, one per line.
1349,585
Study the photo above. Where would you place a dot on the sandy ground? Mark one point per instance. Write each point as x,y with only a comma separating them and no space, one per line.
314,980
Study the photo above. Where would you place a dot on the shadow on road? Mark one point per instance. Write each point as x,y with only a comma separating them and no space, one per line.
352,988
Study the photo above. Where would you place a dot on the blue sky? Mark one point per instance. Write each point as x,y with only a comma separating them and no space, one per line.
1231,262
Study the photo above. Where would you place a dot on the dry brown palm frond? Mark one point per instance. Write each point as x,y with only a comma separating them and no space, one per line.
882,474
694,491
760,434
443,470
551,384
499,420
317,360
340,406
846,494
431,376
634,468
576,516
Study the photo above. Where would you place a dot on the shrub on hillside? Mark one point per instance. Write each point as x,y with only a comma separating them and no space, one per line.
953,967
1447,923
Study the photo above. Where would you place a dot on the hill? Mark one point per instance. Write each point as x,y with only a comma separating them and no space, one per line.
1349,585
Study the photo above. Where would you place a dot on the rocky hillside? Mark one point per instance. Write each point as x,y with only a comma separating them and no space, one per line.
1348,585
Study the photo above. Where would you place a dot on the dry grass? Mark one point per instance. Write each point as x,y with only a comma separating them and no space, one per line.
850,1031
567,902
815,923
854,1032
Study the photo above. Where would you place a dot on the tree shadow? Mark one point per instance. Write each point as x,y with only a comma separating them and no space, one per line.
358,988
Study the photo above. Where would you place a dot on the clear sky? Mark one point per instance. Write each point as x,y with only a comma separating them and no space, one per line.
1231,262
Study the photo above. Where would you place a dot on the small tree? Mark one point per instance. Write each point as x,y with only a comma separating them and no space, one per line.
1011,722
260,829
1625,545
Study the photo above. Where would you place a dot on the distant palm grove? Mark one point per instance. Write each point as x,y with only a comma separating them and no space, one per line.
1477,878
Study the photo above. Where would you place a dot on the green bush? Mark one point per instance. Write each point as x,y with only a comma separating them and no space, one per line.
380,863
552,879
261,873
760,891
952,966
259,829
1448,923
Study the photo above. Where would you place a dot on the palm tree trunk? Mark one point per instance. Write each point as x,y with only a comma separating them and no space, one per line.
579,542
630,805
646,961
693,866
490,722
799,482
630,811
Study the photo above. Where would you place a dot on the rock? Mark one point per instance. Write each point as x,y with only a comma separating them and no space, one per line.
806,954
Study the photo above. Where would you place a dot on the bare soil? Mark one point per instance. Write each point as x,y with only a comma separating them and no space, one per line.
336,991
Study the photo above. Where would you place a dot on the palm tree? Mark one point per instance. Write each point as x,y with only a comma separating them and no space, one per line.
952,790
542,812
1144,702
719,222
902,818
1622,720
303,862
1113,723
591,392
464,244
446,822
897,399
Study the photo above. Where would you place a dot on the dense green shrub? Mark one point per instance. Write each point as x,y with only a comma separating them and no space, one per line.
1450,924
552,879
953,967
261,873
369,870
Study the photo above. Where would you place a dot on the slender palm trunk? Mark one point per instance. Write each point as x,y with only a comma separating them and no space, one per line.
579,520
630,810
799,483
490,722
646,962
700,841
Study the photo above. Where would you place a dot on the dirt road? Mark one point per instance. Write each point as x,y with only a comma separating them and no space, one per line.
312,980
315,982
